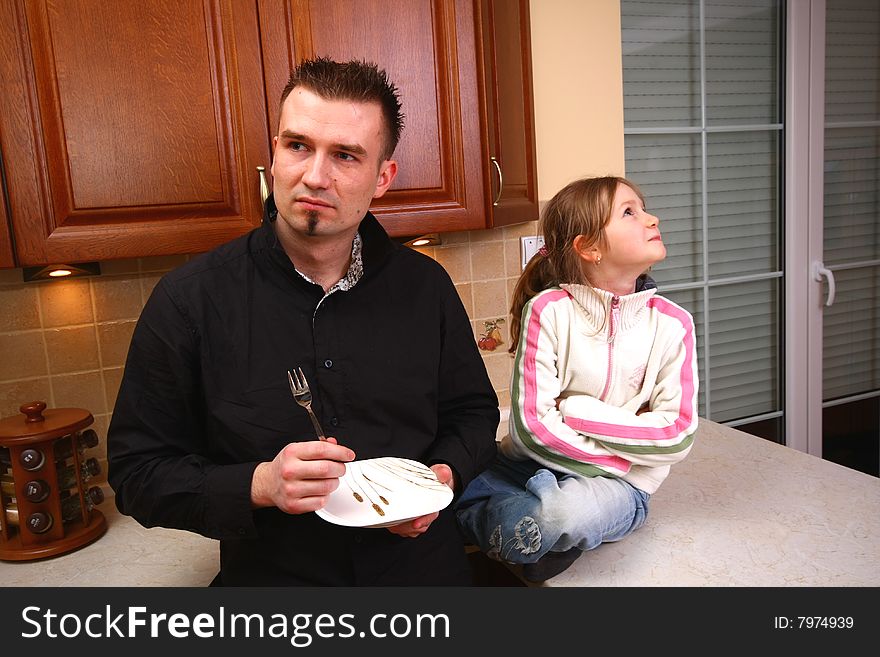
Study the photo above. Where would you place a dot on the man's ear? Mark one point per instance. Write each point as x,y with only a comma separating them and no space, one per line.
274,148
387,174
588,252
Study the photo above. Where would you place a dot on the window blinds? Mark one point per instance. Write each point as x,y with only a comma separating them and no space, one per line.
851,327
701,112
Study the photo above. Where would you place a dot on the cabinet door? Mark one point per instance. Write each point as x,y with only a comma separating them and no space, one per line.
131,128
507,54
429,51
6,57
6,259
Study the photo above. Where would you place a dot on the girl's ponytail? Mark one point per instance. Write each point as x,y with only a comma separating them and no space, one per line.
538,275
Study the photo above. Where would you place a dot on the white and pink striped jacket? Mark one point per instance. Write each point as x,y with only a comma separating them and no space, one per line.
604,358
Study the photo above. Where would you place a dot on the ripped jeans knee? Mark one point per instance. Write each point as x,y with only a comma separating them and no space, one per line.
518,544
506,520
520,521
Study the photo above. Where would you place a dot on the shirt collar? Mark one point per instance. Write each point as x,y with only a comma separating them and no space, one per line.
355,269
597,303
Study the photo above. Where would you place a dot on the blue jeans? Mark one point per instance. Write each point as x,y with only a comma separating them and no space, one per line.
517,511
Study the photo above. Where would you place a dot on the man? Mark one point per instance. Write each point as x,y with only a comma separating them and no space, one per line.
205,435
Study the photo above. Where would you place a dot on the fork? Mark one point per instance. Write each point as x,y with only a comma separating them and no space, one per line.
303,396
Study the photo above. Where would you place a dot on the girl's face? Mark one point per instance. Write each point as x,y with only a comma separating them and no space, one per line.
633,242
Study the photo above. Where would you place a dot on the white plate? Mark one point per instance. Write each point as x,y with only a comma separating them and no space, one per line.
391,490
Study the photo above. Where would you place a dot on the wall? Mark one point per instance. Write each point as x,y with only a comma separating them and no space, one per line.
64,342
577,72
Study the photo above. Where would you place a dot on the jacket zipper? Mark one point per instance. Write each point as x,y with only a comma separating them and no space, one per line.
613,321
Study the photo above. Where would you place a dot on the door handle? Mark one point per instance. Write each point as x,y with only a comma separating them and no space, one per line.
820,271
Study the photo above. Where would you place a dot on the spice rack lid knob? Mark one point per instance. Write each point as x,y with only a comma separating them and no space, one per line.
34,411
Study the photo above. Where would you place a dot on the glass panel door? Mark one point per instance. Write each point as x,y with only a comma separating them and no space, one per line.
851,236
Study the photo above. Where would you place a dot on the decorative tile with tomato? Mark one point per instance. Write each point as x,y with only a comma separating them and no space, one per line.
491,336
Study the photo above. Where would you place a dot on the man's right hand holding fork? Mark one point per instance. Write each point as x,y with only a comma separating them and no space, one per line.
301,476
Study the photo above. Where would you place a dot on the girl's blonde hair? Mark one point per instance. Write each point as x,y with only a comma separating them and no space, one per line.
582,207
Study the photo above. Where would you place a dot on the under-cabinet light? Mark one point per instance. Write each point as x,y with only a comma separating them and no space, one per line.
432,239
50,272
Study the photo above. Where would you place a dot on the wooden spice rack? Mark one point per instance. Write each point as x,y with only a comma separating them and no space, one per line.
33,450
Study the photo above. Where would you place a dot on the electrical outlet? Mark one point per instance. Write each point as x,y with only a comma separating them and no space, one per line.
530,246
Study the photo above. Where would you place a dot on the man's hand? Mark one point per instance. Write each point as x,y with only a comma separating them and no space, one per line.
300,477
419,526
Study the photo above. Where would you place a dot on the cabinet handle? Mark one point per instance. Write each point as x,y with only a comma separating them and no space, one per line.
500,179
264,185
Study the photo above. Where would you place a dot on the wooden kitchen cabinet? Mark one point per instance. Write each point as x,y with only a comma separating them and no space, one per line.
507,72
6,257
463,68
136,129
130,128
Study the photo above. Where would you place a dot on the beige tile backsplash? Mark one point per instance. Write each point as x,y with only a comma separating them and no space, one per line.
65,303
65,342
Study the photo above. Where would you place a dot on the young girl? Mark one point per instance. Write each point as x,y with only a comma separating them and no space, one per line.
604,389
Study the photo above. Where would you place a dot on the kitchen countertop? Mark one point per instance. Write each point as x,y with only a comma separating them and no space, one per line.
739,511
743,511
126,555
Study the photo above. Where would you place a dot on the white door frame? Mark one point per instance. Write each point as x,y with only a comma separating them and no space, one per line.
803,222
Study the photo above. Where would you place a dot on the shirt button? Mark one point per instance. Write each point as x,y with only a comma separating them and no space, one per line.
358,538
334,421
242,531
328,363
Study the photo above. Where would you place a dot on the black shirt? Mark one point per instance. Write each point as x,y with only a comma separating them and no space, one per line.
394,369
